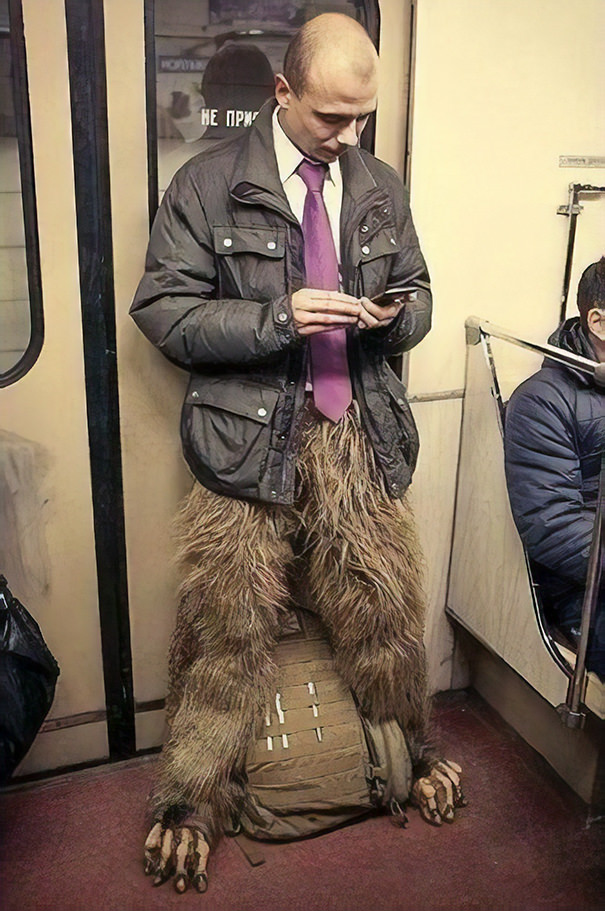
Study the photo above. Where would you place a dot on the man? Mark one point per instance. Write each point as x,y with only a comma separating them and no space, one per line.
260,275
554,447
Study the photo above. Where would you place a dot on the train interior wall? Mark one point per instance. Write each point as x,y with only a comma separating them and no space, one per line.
500,92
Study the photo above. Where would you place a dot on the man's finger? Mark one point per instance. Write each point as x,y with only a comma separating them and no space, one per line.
307,318
333,296
373,315
324,302
306,311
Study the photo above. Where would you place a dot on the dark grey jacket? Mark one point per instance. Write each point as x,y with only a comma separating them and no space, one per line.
225,256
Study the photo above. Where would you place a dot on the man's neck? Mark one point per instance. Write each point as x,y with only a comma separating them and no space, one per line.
282,122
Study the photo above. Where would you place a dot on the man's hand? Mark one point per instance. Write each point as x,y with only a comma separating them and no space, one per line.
180,852
373,316
439,793
319,311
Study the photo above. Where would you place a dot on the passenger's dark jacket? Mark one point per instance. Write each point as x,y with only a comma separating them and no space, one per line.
554,440
225,256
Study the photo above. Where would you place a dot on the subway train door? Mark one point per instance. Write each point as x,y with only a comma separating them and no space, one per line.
55,456
110,96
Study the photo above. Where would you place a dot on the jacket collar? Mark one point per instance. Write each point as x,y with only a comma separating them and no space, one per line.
256,178
571,336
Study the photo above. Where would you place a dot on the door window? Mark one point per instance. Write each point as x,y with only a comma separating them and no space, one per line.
213,65
21,322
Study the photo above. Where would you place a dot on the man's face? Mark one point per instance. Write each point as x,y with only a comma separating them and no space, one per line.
330,115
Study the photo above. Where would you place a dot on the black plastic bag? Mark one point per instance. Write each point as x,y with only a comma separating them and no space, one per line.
28,675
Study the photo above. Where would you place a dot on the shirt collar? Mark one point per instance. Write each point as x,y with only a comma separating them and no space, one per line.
289,157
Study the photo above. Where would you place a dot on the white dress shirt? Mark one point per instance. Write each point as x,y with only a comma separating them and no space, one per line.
288,159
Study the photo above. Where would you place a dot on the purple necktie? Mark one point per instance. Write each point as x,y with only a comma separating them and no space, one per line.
329,366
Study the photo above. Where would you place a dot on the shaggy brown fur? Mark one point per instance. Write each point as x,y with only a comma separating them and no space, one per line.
361,559
365,567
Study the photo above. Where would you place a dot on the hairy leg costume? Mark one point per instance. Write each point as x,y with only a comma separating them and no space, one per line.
356,551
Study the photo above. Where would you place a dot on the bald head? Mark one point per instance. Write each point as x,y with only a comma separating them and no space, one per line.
328,46
329,86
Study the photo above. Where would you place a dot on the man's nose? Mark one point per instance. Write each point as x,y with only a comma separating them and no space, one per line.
348,135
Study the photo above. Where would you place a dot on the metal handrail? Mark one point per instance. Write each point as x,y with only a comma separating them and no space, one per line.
572,210
475,327
569,711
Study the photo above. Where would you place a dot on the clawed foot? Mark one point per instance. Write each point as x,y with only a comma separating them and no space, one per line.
179,852
439,794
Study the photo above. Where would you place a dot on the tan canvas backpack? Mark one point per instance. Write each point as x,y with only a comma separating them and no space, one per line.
315,763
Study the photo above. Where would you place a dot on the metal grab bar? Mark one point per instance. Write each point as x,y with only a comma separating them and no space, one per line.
572,210
477,328
570,709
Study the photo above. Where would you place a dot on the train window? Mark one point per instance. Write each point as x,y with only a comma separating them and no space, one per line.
21,319
211,66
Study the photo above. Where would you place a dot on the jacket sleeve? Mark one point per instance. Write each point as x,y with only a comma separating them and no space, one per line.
176,306
544,481
408,269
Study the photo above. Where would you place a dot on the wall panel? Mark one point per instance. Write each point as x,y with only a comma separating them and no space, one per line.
501,91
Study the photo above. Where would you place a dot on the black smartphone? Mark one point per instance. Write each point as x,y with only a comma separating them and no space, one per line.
393,296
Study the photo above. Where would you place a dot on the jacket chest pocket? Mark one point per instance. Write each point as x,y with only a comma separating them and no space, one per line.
251,261
374,256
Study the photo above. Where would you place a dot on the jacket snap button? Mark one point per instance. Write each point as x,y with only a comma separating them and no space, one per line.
262,412
385,211
227,242
365,249
195,395
282,317
271,245
364,229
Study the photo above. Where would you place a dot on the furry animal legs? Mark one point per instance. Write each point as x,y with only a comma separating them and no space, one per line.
220,661
365,577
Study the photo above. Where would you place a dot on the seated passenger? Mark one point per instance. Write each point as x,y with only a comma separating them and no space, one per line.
554,444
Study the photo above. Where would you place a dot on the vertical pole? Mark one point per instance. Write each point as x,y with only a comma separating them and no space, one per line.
87,79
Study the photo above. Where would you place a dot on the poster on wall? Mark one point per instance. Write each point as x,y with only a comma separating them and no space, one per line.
262,11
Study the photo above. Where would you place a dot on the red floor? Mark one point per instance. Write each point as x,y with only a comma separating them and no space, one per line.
74,844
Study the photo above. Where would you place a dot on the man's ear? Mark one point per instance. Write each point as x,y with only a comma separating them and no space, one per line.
283,92
595,321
